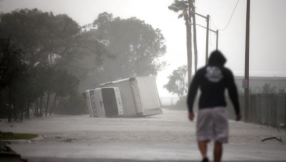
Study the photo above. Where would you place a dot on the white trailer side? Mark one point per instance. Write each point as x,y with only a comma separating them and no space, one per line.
146,95
139,96
90,102
98,101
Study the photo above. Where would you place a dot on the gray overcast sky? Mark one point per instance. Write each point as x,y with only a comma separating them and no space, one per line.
268,24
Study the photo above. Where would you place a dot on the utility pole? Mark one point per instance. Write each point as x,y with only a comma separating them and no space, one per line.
216,39
207,39
246,77
285,107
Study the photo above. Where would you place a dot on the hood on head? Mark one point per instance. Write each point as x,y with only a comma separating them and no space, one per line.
217,58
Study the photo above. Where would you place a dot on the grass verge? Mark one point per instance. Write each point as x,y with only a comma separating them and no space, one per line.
17,136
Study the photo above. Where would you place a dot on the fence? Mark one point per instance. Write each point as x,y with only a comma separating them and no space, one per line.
266,109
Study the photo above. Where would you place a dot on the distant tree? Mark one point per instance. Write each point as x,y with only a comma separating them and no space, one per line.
267,89
46,37
52,43
135,45
85,63
282,92
11,66
28,87
11,62
42,78
177,81
65,84
74,105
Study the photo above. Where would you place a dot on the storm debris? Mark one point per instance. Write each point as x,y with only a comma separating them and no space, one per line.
270,138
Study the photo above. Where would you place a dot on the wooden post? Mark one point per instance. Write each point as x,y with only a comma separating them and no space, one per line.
207,39
217,40
285,111
246,77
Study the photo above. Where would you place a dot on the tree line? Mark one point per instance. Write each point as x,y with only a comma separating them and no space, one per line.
47,60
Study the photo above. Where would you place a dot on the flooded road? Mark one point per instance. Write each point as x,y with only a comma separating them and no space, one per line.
169,136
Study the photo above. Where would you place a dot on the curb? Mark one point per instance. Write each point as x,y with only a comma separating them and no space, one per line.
17,141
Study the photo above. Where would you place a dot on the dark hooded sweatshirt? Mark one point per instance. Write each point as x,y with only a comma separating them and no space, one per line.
212,80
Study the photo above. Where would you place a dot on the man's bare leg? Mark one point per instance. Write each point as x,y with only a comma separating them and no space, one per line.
217,151
203,148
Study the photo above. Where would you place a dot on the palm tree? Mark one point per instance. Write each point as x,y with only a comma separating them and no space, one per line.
193,8
183,6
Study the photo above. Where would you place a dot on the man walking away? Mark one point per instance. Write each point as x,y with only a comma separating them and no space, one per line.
212,122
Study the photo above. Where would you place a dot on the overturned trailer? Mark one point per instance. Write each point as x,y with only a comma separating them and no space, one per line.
108,102
139,96
90,102
104,102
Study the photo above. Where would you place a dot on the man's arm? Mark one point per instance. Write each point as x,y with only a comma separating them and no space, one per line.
192,93
232,92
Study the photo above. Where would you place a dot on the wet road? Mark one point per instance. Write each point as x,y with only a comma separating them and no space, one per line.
166,137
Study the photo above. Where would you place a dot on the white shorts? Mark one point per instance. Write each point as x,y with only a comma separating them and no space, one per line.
212,124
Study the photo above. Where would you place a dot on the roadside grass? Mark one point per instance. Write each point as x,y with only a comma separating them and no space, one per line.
17,136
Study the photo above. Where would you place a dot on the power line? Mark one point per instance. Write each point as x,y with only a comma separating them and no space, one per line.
228,20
